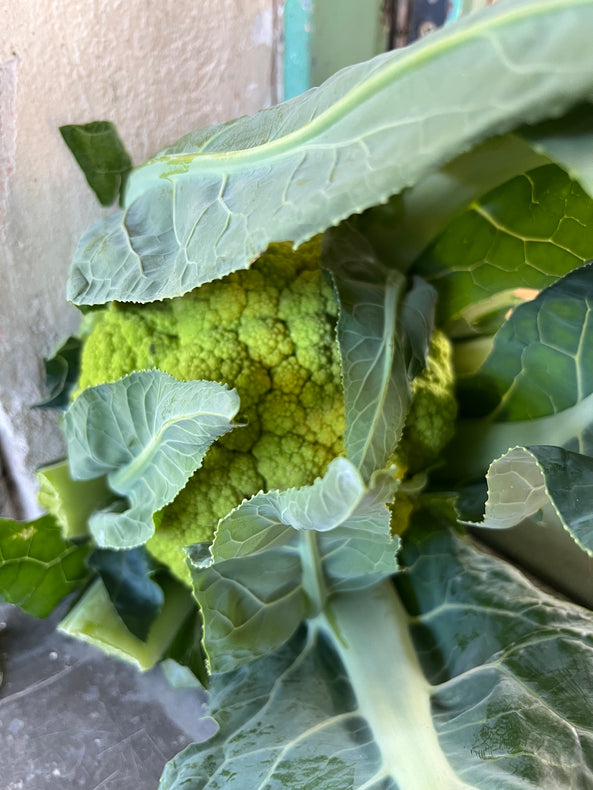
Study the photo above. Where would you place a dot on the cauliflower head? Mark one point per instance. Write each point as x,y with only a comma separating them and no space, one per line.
270,332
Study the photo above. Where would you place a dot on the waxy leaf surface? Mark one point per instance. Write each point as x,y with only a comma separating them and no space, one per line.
148,433
214,201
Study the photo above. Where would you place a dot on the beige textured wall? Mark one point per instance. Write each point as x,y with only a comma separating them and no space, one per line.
158,69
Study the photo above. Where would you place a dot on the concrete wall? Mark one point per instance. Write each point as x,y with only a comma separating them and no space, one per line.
157,69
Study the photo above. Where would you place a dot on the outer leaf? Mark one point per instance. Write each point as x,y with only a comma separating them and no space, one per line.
38,568
498,709
214,201
504,660
148,433
330,537
537,382
544,494
331,739
527,479
128,579
101,156
384,338
522,235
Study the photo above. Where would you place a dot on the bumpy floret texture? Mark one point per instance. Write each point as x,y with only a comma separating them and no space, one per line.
269,332
430,423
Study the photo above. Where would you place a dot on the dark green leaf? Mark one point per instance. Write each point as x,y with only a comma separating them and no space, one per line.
522,235
541,362
536,385
128,579
61,374
38,568
507,664
101,156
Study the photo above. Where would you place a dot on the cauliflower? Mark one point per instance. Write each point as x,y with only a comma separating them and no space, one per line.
270,332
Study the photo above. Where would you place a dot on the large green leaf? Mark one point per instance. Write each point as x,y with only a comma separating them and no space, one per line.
277,557
536,385
214,201
38,568
148,433
384,336
522,235
346,704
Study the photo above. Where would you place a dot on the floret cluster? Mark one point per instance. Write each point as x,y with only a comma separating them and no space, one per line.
270,332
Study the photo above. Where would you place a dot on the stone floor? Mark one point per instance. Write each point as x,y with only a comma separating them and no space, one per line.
71,717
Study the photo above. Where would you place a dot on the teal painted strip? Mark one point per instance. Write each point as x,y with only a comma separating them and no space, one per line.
298,33
454,10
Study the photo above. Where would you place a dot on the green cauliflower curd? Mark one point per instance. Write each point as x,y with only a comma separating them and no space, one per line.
270,332
431,420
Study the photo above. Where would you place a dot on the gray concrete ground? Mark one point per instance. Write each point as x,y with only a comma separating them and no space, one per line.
71,717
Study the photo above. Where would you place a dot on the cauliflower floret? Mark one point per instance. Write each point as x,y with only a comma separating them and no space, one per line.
225,479
430,423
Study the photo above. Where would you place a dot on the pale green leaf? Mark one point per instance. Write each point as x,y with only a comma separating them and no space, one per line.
384,335
214,201
70,501
148,433
544,480
277,557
